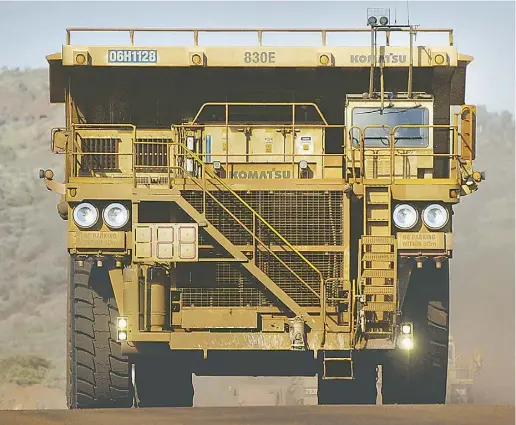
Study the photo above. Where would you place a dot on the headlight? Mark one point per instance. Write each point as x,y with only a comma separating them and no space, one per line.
122,323
435,216
85,215
406,343
116,215
406,329
405,216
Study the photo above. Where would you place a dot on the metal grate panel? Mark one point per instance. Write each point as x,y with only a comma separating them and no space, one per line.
223,297
99,162
302,217
227,287
152,154
329,264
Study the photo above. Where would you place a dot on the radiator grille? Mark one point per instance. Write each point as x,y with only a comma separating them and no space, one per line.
152,154
303,218
99,162
223,297
225,286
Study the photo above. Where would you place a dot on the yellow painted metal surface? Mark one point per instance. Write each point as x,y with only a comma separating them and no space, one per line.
100,240
411,240
353,57
166,242
244,318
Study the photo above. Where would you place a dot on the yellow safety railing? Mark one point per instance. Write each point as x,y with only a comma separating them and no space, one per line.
391,151
292,125
323,32
293,105
76,150
348,162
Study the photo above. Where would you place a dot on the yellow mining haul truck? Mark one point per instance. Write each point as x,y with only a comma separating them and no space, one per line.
260,211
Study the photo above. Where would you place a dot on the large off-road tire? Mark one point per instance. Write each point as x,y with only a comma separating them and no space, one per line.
98,375
419,376
164,382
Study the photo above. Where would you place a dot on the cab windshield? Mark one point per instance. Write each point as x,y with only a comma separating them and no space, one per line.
390,118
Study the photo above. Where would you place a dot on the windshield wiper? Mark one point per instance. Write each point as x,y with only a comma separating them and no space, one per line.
403,110
374,111
390,106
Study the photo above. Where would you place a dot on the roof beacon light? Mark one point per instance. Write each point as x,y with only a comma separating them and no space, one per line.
384,20
372,20
378,17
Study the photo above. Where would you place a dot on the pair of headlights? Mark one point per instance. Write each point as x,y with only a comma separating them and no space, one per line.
435,216
406,339
86,215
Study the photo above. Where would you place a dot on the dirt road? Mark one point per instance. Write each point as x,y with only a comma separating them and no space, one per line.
308,415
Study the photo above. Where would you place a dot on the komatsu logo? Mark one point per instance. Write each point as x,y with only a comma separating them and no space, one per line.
390,58
271,174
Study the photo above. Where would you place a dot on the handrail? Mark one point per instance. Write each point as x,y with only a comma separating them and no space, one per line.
392,145
291,104
260,31
206,171
349,146
102,126
250,232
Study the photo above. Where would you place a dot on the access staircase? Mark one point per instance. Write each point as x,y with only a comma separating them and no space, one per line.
378,263
210,184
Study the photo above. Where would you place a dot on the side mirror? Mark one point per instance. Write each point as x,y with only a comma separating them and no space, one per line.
59,140
468,132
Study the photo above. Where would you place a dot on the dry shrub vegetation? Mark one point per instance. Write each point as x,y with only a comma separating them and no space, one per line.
33,259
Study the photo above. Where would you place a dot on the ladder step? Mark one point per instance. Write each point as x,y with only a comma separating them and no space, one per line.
378,240
373,183
378,202
376,186
380,306
337,358
379,290
372,273
378,335
378,256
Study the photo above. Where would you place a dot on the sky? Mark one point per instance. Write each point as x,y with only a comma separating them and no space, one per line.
484,29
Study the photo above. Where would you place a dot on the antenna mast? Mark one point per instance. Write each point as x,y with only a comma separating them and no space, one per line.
409,89
377,18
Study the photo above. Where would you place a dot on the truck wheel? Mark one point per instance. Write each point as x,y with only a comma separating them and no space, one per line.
98,375
419,376
163,383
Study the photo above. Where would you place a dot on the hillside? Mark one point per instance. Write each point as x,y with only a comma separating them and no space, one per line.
33,258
